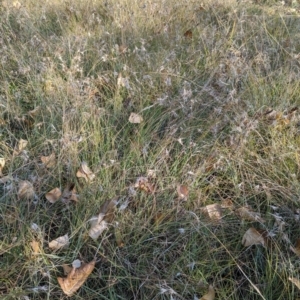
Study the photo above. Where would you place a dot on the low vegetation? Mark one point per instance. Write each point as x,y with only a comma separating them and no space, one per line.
149,150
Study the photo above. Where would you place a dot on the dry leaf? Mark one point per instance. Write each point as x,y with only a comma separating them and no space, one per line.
2,164
135,118
296,250
254,237
246,214
26,190
295,281
60,242
49,161
182,191
21,145
76,278
210,295
69,194
53,195
214,211
85,172
67,269
35,247
188,34
143,184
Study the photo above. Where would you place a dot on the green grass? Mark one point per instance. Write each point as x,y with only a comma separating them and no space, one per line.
206,104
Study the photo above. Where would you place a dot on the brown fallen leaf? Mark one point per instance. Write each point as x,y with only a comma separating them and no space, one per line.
296,250
254,237
69,194
76,278
49,161
85,172
188,34
183,192
35,245
210,295
53,195
135,118
142,183
247,214
214,211
60,242
2,164
295,281
67,269
26,190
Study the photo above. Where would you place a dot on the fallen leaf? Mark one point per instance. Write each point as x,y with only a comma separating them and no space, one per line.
295,281
69,194
247,214
67,269
143,184
53,195
135,118
296,250
182,191
254,237
188,34
76,278
60,242
210,295
214,211
2,164
85,172
35,247
26,190
49,161
21,145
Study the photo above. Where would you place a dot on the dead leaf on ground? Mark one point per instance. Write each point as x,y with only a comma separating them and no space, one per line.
69,194
76,278
142,183
210,295
182,191
254,237
26,190
2,164
67,269
214,211
135,118
53,195
49,161
296,250
101,222
85,172
35,245
188,34
20,146
60,242
247,214
295,281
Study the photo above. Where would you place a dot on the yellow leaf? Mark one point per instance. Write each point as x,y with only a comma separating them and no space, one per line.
85,172
60,242
135,118
35,247
210,295
26,190
49,161
246,214
76,278
182,191
254,237
53,195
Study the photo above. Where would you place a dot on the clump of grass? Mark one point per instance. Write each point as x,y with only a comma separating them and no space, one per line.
219,108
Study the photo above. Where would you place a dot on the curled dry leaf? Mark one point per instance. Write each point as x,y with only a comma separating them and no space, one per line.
2,164
101,222
249,215
254,237
26,190
76,278
214,211
296,250
182,191
60,242
210,295
142,183
35,245
85,172
69,194
295,281
135,118
49,161
53,195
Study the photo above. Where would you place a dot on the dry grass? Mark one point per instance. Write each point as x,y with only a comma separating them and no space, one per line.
217,85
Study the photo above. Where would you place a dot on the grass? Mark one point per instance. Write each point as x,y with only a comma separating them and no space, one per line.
220,116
